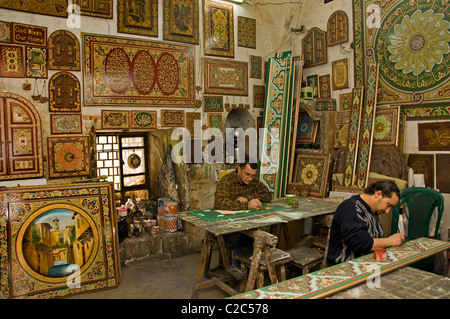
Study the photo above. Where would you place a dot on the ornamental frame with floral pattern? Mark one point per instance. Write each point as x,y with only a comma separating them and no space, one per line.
87,225
317,165
68,156
224,47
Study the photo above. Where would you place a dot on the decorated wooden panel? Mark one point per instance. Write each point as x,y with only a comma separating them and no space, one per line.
315,47
259,93
21,154
215,120
58,241
138,17
255,67
143,119
96,8
57,8
64,51
247,32
340,74
3,137
273,169
12,61
115,119
353,136
386,126
442,172
191,118
337,28
172,118
423,164
328,281
68,156
306,129
225,77
434,136
312,169
36,62
212,103
125,71
341,129
64,93
181,21
218,28
325,86
367,123
28,34
409,39
66,123
5,32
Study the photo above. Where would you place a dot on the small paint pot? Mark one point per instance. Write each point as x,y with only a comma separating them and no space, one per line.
379,254
289,199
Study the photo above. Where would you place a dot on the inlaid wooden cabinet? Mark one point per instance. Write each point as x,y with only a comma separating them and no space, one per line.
20,138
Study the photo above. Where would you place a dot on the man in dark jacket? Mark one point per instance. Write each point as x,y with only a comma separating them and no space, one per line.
356,228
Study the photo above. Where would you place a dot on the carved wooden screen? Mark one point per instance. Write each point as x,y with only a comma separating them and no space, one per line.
64,93
21,149
315,47
64,51
337,28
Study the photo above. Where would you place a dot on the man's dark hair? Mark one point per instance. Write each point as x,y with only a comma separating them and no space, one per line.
250,161
386,187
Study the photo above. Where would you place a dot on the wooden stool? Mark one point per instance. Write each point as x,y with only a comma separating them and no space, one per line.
279,261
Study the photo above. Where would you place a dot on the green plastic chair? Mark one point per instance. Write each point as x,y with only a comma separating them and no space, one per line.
421,203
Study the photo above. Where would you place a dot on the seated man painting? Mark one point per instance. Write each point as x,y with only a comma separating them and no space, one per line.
356,228
240,190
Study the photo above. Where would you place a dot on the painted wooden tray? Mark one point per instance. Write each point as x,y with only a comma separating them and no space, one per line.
331,280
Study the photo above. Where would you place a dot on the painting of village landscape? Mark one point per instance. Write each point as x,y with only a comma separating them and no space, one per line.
57,241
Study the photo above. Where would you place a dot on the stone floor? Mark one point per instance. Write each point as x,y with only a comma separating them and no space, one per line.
166,278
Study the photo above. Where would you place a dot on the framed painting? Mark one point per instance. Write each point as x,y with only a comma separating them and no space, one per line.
12,61
218,28
313,81
181,21
57,8
66,123
259,93
68,156
423,164
255,67
312,169
386,126
135,72
306,129
324,86
143,119
172,118
138,17
215,120
212,103
97,8
58,240
225,77
420,61
434,136
36,62
115,119
247,32
340,74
